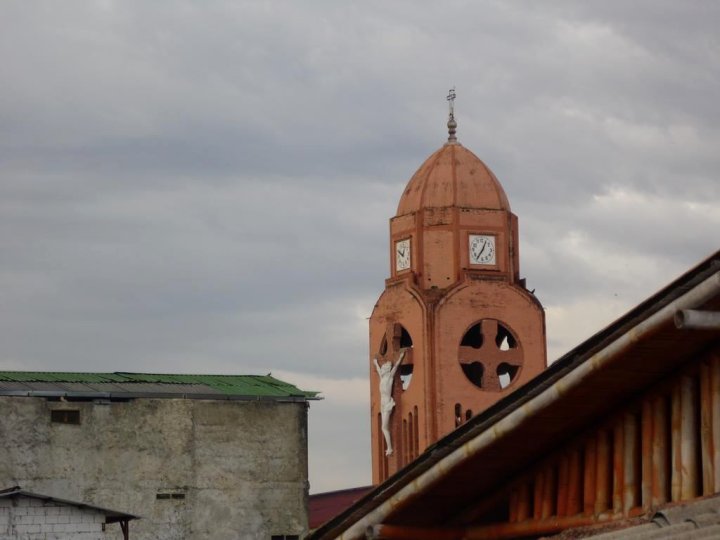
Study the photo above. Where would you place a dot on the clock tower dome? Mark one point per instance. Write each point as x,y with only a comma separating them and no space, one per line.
455,329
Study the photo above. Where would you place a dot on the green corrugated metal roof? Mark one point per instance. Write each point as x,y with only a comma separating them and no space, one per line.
53,376
235,385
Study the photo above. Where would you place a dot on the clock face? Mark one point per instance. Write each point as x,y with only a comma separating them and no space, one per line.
482,249
402,254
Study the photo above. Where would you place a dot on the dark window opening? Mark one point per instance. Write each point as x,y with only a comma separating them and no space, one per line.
406,373
504,339
474,372
65,416
167,496
506,374
405,339
473,337
284,537
458,414
468,414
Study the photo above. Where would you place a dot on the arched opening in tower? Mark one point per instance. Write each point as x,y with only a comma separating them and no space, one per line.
473,337
390,348
406,368
506,373
504,340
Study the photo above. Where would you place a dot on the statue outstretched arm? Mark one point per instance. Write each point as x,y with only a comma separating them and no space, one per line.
399,360
377,366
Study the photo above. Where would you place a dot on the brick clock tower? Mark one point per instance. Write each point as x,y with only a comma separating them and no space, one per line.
455,330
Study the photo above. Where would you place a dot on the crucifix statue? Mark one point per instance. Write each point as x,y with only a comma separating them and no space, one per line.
386,372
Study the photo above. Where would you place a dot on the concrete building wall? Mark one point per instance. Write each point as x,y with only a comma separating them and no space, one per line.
32,519
190,468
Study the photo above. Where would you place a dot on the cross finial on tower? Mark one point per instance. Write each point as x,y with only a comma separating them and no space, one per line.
452,124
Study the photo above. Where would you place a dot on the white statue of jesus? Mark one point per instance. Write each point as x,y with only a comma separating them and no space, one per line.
387,403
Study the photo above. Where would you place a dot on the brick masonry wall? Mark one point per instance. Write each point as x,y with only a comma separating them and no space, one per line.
25,518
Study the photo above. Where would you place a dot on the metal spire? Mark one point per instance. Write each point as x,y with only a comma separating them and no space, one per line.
452,124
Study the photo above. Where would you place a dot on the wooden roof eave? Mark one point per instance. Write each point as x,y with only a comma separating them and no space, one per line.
416,488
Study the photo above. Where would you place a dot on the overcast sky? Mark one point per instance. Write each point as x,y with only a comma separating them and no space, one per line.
205,186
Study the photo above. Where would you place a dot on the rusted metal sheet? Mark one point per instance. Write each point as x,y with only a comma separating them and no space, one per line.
603,472
688,440
513,506
715,406
676,444
618,466
660,451
538,494
486,532
524,501
646,452
548,493
706,420
562,486
574,483
631,457
589,486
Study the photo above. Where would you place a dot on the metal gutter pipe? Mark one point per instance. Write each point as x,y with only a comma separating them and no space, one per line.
693,319
695,297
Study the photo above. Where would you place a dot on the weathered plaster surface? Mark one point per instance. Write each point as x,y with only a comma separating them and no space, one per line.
242,466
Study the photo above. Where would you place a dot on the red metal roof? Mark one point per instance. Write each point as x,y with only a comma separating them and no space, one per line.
325,506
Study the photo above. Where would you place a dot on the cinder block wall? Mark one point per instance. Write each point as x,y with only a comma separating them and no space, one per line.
23,518
190,468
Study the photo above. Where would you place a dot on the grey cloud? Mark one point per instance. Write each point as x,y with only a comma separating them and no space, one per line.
194,186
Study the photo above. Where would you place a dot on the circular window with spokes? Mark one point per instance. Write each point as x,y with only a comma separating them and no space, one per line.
490,355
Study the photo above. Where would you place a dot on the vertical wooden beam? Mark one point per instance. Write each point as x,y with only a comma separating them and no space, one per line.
524,501
646,454
618,462
589,476
538,494
513,506
562,486
630,463
574,499
603,477
549,493
660,452
715,406
689,440
676,444
706,424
